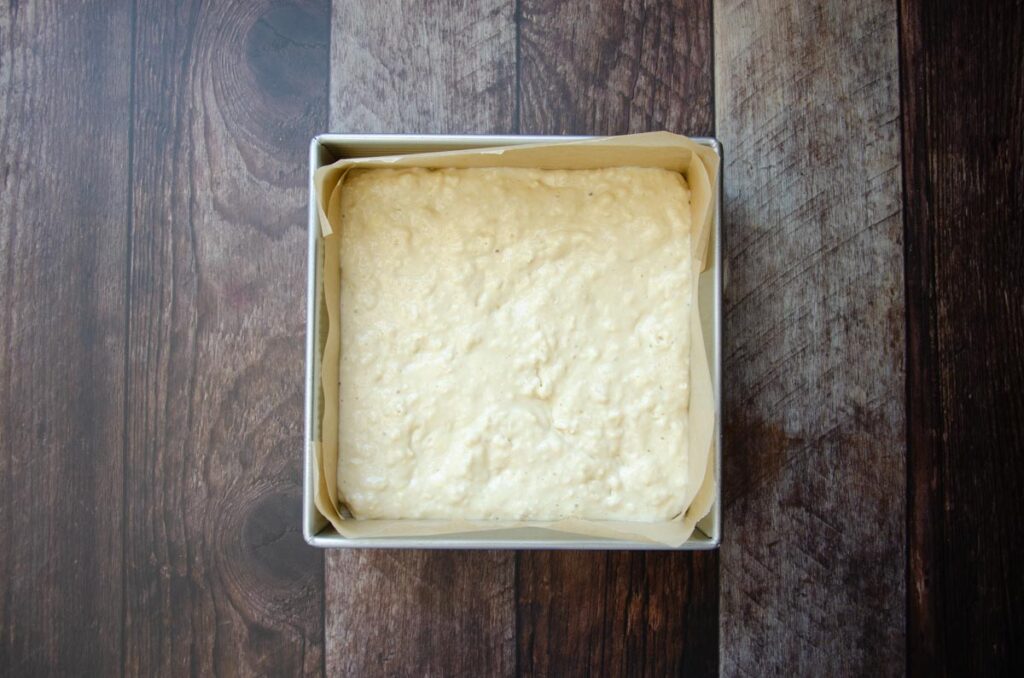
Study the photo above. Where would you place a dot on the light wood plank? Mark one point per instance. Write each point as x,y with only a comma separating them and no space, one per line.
403,67
814,552
425,613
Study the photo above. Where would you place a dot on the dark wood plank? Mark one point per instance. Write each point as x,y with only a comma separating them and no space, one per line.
615,67
618,613
612,68
218,577
64,111
400,67
963,121
813,559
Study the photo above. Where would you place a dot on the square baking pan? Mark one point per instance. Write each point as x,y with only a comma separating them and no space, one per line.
326,149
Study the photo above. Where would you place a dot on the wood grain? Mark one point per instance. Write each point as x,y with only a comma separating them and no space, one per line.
426,613
963,121
813,553
615,68
64,78
399,66
617,613
218,579
396,67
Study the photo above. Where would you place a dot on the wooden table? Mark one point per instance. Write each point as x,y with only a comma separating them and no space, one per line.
153,198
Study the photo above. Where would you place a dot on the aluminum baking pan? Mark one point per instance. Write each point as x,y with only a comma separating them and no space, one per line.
327,148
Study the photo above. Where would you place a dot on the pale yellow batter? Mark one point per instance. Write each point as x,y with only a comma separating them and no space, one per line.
515,344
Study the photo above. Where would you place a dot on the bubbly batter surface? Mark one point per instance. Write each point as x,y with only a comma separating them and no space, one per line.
515,343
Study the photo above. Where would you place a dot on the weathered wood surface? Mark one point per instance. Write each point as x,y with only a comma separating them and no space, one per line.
64,112
963,140
813,558
152,328
217,577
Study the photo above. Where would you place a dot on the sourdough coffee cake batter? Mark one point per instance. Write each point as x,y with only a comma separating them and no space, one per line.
515,343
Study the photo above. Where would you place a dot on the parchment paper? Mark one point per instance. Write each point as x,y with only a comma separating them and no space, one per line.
699,165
